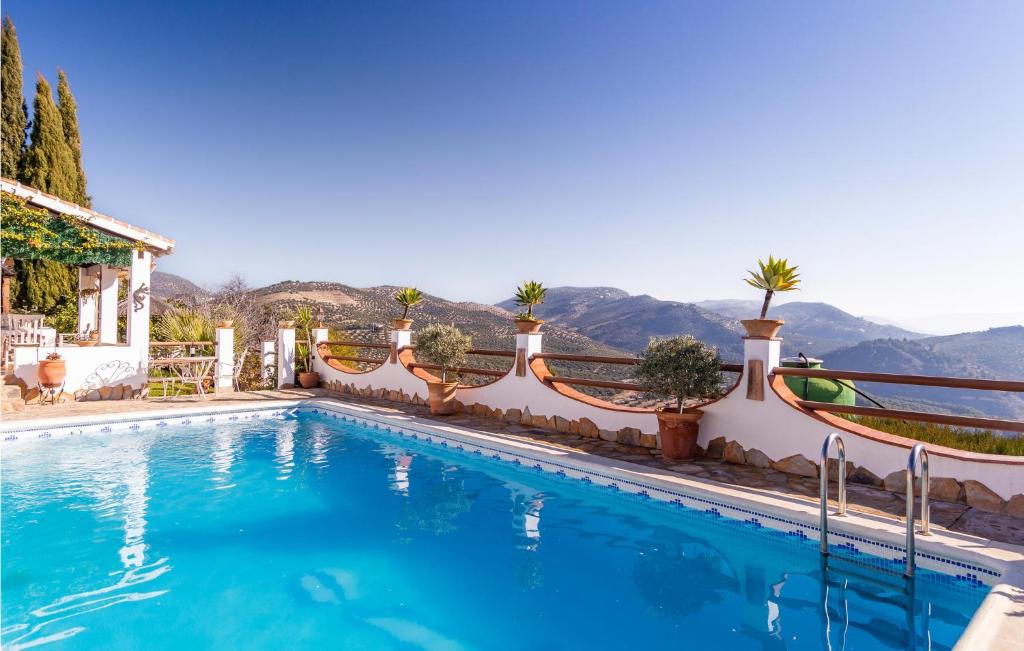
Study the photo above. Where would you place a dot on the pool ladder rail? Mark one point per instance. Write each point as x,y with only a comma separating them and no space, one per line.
917,454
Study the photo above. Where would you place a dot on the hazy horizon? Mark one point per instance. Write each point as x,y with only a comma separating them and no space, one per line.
465,147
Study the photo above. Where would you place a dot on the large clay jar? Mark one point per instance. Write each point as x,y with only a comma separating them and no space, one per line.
52,372
678,433
442,397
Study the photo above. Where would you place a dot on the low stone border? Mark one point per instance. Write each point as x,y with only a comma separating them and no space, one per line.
583,426
946,489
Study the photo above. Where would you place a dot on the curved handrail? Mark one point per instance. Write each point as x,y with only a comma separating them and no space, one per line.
917,452
823,472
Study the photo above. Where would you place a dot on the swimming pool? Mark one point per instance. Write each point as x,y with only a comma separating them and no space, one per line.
283,529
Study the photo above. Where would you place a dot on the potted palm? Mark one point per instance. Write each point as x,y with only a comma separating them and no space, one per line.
308,378
445,346
680,368
774,276
529,295
52,370
407,297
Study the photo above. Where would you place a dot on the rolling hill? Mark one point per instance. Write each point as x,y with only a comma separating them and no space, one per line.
812,328
165,285
994,354
618,319
364,314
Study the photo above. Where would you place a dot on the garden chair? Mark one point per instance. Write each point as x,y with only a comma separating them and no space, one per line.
239,363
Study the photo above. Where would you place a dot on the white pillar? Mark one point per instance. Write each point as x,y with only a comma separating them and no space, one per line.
399,340
760,356
267,361
88,280
285,358
108,305
138,300
527,345
225,359
318,335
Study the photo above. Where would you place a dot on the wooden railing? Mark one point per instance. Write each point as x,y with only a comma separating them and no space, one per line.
914,380
466,370
355,344
604,359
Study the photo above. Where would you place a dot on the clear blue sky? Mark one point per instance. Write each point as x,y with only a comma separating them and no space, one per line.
657,147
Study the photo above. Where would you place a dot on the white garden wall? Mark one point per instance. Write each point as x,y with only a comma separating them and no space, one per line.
775,425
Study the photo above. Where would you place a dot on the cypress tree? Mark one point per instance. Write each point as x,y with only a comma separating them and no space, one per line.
69,118
44,285
15,113
49,165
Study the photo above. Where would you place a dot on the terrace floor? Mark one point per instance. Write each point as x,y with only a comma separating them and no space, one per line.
951,516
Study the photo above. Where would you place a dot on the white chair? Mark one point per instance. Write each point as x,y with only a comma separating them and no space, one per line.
239,363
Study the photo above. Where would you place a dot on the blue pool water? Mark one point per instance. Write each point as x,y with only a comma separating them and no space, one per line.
306,532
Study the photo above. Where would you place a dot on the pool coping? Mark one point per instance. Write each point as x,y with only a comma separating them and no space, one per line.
998,622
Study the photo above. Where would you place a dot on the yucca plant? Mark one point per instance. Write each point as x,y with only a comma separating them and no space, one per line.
408,297
303,318
183,324
774,276
529,295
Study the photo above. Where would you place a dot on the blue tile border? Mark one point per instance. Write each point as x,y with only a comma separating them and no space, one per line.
882,555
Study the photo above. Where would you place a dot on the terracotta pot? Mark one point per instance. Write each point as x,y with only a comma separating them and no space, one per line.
526,327
52,372
225,324
678,432
762,328
285,324
86,342
401,324
442,397
308,380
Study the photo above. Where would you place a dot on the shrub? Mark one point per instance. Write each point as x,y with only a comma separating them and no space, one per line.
680,367
443,345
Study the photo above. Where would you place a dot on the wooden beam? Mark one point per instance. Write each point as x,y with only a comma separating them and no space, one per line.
755,379
461,369
603,384
892,378
597,359
921,416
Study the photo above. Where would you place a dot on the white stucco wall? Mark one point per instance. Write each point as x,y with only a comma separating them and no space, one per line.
88,368
774,426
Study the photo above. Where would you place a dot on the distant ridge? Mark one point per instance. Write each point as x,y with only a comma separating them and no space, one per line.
165,285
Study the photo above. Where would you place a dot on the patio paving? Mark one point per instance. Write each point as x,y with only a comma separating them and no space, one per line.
868,499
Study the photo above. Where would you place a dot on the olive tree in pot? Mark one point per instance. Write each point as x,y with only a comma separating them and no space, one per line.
308,378
529,295
680,368
407,297
445,346
774,276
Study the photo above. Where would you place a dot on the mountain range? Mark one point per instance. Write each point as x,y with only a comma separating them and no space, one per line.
610,321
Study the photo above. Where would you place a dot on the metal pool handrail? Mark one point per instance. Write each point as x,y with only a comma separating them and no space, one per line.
823,472
918,451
